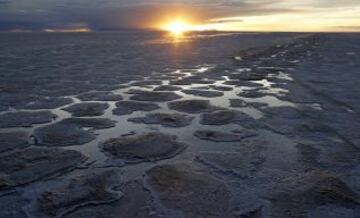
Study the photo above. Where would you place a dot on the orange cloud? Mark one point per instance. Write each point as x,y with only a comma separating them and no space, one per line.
77,30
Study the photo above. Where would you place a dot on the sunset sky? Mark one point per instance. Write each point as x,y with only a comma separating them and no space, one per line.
229,15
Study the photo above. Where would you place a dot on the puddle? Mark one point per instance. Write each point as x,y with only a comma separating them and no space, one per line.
185,134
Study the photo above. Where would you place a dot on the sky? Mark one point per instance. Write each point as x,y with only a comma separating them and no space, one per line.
226,15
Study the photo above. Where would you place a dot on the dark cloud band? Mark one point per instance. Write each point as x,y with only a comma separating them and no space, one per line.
117,14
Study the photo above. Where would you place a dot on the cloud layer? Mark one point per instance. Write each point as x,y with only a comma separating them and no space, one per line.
117,14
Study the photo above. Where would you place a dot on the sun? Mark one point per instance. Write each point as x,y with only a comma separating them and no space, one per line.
178,28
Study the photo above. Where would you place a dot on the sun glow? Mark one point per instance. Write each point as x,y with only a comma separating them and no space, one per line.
178,28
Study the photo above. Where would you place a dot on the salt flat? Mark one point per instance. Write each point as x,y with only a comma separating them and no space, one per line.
234,125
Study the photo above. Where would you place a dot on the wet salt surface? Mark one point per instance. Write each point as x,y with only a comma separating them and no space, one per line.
123,126
240,155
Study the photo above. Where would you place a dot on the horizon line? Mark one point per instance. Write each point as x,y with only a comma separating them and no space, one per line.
50,31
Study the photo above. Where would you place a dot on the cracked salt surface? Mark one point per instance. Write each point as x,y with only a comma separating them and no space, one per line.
237,154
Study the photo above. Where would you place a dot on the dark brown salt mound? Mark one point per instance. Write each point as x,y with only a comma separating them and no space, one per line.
192,80
47,103
167,88
252,94
180,82
59,135
281,125
94,123
223,117
78,191
3,108
242,83
192,106
248,76
87,109
310,190
154,96
146,147
167,120
71,131
133,204
31,164
284,112
243,163
221,88
238,103
258,105
290,120
203,93
201,87
147,83
99,96
309,155
12,206
128,107
13,140
25,119
178,74
181,188
22,99
163,77
217,136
